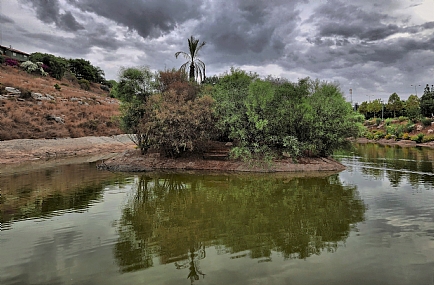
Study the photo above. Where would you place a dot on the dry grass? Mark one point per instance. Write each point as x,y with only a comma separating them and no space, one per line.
85,113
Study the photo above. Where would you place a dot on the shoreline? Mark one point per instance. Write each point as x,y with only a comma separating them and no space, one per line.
132,161
402,143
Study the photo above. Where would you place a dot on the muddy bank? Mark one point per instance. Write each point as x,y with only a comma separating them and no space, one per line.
132,161
17,151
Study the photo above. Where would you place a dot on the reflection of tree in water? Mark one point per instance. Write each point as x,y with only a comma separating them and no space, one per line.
169,215
397,163
192,263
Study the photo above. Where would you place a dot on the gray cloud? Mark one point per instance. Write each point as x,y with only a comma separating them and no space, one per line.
149,18
372,46
49,12
4,19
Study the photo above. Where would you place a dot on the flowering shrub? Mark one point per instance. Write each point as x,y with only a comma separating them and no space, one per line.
31,67
12,62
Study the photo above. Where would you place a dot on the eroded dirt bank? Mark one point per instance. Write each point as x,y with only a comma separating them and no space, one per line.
17,151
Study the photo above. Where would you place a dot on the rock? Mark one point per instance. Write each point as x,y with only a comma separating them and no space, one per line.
229,144
104,87
419,128
430,131
12,90
2,97
50,97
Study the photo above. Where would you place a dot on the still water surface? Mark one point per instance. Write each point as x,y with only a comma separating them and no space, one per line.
370,224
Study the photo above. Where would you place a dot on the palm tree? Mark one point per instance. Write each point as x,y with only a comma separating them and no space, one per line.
196,66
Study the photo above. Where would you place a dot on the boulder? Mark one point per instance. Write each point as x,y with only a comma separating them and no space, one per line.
430,131
12,90
419,128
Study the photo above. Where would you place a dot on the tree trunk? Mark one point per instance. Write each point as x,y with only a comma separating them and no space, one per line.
192,72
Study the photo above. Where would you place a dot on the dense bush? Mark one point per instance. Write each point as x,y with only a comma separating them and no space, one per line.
264,115
426,122
31,67
84,84
417,138
176,124
428,138
2,59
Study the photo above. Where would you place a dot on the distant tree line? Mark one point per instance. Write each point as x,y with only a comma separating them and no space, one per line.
413,108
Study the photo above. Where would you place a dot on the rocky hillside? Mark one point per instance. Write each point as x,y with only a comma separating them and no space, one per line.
33,107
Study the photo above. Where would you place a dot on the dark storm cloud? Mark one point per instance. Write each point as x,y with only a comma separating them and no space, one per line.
248,32
150,18
337,18
4,19
48,11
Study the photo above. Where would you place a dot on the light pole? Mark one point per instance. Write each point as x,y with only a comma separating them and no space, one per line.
415,90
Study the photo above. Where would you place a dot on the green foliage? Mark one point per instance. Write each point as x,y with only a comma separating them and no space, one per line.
394,104
2,59
428,138
405,136
195,66
409,127
57,65
427,102
83,69
57,87
374,106
288,117
402,118
417,138
84,84
388,121
412,107
426,122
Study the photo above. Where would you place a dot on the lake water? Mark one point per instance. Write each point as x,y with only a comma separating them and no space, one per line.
370,224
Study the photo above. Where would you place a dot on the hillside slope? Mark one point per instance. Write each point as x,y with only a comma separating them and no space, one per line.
52,113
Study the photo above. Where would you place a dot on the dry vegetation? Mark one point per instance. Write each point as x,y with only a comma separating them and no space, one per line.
85,113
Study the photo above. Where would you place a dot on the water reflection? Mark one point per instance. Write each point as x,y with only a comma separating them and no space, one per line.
396,163
173,218
51,191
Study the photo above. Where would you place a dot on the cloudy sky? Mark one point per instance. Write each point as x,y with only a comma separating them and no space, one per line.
373,47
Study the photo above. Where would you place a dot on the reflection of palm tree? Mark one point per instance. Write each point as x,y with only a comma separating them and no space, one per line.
195,65
193,263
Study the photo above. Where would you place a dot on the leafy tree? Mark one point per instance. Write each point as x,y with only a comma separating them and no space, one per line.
195,66
134,87
394,104
363,108
374,106
83,69
427,102
57,65
412,107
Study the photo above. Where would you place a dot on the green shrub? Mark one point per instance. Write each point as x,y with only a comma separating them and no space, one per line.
84,84
377,121
388,136
402,118
405,136
426,122
409,127
428,138
57,87
2,59
417,138
388,121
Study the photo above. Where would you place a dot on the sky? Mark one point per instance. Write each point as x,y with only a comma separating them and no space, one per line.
374,48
